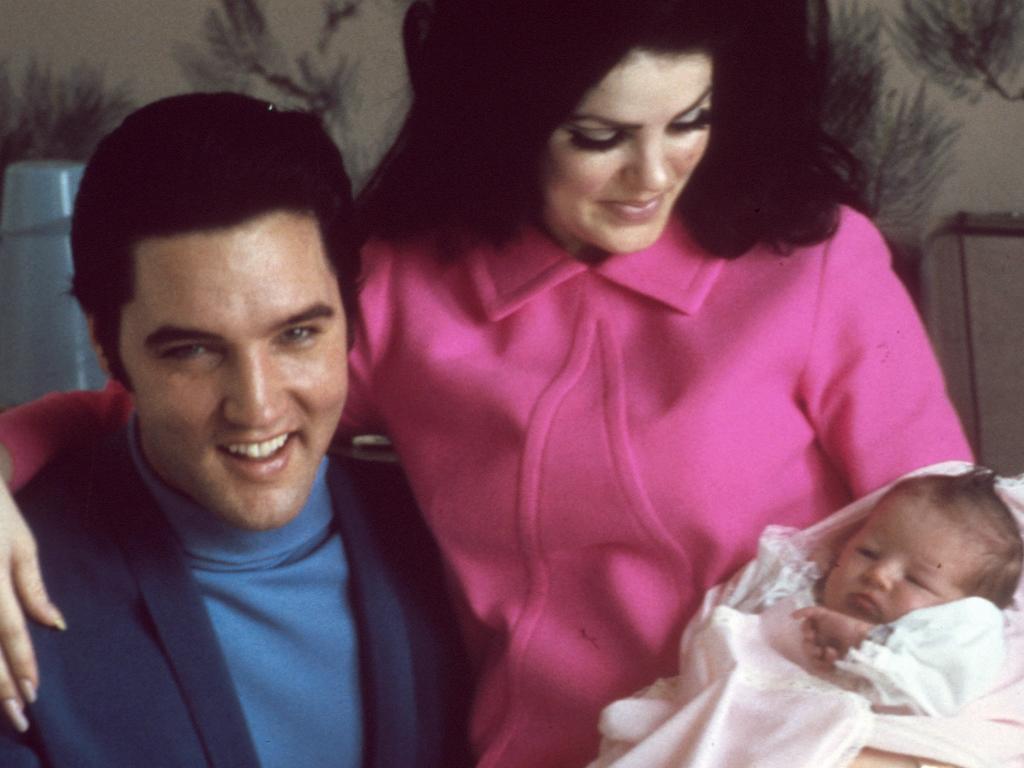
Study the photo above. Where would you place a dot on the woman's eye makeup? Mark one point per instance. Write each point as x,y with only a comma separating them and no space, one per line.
693,121
602,139
594,140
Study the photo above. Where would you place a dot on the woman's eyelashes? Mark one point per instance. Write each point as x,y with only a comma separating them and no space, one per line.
601,139
595,141
694,121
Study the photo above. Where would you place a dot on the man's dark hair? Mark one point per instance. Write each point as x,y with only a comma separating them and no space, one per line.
970,501
493,80
194,163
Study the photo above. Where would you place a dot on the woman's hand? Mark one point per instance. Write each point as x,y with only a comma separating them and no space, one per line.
21,586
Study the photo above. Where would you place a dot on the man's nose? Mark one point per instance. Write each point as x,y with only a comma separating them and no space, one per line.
253,394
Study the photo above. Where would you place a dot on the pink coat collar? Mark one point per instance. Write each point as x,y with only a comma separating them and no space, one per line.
674,271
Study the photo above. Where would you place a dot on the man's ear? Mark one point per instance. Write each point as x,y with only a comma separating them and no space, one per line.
104,363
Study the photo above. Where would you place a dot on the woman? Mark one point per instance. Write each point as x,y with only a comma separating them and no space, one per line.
615,322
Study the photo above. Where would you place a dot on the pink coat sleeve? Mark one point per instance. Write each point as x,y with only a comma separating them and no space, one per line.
36,432
872,386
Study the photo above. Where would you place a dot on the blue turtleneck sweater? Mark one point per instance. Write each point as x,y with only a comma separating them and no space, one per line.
279,604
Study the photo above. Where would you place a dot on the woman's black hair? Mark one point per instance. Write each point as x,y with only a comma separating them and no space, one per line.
492,79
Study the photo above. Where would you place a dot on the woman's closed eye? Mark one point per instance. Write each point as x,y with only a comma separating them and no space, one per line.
600,139
867,552
595,139
692,121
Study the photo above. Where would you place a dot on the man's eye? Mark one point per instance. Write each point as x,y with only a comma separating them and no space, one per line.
184,352
299,334
594,140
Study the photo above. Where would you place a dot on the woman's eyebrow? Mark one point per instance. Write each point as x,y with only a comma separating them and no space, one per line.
633,126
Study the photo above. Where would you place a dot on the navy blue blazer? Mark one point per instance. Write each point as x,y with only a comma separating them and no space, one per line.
138,679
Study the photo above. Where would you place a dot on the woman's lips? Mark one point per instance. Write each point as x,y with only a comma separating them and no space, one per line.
635,211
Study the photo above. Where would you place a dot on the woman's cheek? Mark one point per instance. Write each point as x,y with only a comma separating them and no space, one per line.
690,154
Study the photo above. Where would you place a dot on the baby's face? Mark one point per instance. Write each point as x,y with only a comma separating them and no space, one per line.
906,556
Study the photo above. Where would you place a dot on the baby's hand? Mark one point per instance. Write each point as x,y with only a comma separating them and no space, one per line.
828,634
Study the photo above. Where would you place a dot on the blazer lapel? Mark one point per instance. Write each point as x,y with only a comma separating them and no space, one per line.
388,684
176,609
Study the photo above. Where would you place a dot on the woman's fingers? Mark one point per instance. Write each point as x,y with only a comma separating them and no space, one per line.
28,581
18,674
21,592
19,560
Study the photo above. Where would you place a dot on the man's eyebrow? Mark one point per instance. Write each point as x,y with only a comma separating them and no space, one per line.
169,334
634,126
318,311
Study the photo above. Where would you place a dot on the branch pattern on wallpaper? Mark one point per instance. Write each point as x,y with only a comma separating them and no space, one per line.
239,52
904,139
969,47
46,116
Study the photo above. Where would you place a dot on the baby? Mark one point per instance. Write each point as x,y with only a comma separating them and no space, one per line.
932,540
905,620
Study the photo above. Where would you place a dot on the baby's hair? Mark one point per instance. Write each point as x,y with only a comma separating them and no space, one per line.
970,501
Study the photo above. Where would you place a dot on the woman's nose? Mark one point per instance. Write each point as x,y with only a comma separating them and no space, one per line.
651,168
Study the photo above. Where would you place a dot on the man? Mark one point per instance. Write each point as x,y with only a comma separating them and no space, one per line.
232,597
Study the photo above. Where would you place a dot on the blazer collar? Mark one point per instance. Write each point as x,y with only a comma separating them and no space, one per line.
180,621
176,609
674,271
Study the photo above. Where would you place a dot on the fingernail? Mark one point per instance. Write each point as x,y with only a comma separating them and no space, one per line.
28,690
12,707
58,620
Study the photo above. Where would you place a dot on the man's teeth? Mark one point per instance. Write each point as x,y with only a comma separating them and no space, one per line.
258,450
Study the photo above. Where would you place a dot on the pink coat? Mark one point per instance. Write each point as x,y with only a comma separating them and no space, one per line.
594,447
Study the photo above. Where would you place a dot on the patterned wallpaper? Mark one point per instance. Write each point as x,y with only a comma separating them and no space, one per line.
930,93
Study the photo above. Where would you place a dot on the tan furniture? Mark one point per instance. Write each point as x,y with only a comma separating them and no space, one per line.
972,299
